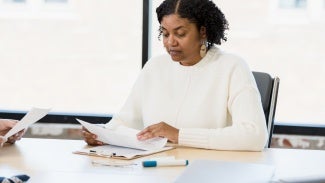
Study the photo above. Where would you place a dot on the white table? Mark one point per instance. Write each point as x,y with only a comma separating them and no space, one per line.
51,160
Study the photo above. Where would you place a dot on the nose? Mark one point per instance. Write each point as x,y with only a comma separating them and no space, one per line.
171,40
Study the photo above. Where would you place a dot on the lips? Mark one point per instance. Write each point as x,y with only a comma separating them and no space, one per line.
174,52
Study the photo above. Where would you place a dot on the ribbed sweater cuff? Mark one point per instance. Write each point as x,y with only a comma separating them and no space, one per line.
193,138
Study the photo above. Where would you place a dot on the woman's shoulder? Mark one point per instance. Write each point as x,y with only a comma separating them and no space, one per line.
225,59
228,64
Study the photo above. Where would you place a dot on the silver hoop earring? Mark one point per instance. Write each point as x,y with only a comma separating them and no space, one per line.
203,50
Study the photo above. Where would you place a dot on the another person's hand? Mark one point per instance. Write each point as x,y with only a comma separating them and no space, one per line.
5,126
1,140
161,129
90,138
16,137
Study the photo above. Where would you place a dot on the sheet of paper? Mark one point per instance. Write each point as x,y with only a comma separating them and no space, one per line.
31,117
123,136
211,171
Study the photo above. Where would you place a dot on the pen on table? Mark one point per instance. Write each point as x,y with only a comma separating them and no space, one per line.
102,153
155,163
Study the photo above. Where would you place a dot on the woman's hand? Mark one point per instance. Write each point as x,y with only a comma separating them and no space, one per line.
90,138
161,129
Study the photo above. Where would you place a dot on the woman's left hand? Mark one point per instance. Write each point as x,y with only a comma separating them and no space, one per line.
161,129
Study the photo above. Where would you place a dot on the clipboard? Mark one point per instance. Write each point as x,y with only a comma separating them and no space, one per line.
118,152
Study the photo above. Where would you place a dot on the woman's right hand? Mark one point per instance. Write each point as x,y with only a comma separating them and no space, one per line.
90,138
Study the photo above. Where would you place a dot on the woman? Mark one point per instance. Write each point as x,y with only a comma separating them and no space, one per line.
196,95
5,126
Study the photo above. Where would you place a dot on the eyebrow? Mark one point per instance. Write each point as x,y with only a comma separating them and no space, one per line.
177,28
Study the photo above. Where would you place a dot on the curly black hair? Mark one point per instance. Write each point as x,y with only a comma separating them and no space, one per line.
201,12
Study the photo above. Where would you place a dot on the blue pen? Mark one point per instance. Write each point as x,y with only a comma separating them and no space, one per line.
167,162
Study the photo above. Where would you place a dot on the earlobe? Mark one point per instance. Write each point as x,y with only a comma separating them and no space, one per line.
203,32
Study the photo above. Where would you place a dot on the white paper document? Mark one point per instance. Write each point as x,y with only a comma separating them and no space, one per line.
308,178
31,117
211,171
123,136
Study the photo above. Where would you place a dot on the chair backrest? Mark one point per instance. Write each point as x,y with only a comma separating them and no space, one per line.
268,88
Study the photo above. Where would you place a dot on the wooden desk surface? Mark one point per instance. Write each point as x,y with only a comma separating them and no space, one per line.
51,160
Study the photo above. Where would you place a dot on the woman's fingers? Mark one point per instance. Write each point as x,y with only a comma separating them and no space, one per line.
90,138
149,132
161,129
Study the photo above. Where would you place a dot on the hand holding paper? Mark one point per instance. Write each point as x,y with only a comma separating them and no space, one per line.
123,136
6,126
122,143
31,117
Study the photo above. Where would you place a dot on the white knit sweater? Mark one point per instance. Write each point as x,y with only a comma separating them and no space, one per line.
215,103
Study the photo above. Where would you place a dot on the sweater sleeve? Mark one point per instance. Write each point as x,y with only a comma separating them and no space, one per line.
247,130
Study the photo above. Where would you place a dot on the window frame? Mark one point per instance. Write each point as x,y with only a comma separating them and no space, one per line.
70,118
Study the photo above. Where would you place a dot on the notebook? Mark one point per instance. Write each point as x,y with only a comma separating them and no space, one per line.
211,171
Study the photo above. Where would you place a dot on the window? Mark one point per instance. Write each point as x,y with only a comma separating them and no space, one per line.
83,59
291,49
55,1
296,12
293,3
15,1
38,9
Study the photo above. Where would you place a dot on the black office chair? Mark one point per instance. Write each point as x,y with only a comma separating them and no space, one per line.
268,88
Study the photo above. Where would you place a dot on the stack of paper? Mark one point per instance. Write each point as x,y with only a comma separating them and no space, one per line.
123,136
122,142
